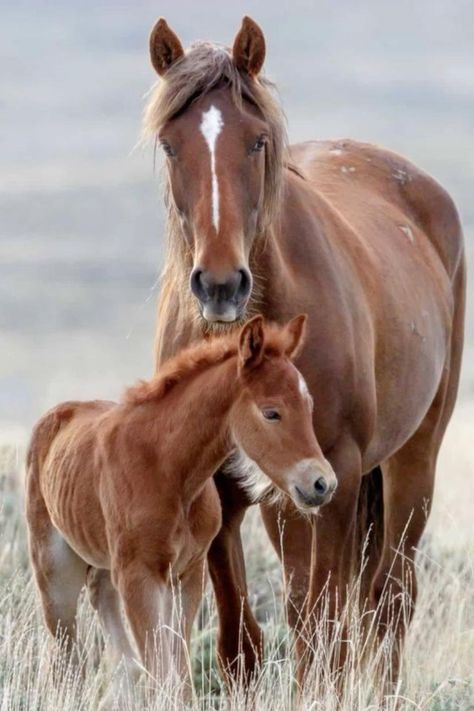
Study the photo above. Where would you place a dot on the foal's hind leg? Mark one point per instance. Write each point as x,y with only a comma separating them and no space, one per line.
60,573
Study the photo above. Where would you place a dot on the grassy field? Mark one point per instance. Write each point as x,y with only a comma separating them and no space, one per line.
437,670
80,249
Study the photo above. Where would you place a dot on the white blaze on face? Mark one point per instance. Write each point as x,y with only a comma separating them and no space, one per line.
211,126
303,388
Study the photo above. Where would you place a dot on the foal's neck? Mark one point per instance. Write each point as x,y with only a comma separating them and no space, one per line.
195,415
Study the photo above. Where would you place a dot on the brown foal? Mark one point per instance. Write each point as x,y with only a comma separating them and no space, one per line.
121,497
371,248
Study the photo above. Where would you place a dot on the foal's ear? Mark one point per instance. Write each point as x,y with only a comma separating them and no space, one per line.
251,343
295,332
165,47
248,50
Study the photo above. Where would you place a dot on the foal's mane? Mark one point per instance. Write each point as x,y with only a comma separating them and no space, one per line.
204,67
196,359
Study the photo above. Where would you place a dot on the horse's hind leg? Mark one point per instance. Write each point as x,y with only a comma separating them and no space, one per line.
408,482
60,573
240,639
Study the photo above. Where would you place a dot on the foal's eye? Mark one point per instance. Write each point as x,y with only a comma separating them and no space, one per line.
271,414
259,144
167,149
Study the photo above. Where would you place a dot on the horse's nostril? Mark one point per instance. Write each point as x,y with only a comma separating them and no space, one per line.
321,486
245,283
197,286
234,288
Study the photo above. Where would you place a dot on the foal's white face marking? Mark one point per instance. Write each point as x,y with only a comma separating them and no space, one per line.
211,126
303,388
407,230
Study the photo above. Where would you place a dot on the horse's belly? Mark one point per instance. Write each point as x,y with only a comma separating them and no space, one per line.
407,384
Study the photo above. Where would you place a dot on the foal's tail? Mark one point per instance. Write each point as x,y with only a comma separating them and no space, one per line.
370,525
44,433
42,438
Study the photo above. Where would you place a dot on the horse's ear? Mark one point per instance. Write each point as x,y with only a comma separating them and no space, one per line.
251,343
165,47
248,50
295,333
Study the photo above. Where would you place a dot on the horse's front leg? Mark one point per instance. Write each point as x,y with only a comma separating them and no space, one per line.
240,639
334,532
316,555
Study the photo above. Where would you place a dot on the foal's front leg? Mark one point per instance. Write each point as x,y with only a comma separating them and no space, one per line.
146,605
160,612
105,599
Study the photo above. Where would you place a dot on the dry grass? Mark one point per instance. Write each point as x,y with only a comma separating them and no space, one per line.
437,670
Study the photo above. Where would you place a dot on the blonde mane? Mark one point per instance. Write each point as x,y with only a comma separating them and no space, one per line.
204,67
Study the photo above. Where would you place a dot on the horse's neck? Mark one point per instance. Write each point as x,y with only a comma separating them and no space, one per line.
197,420
292,246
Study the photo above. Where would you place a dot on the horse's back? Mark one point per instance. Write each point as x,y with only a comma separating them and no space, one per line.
360,179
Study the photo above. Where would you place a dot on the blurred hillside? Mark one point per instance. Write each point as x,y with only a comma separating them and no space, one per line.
80,210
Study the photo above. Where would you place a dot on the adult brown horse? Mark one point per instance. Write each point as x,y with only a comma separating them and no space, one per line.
365,243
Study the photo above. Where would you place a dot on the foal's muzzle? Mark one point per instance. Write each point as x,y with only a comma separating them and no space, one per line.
314,484
221,299
320,494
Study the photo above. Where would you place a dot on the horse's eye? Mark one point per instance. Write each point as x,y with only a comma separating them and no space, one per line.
271,414
259,144
167,149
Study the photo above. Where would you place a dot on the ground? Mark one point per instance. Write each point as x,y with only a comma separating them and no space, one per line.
437,671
